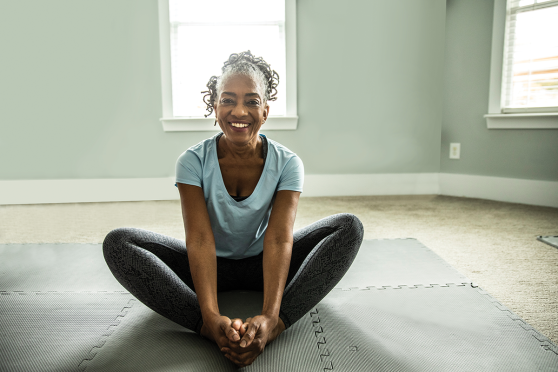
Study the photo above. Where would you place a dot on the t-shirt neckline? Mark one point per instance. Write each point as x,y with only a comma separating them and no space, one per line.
222,182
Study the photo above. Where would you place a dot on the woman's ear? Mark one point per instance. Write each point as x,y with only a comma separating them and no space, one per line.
215,111
266,112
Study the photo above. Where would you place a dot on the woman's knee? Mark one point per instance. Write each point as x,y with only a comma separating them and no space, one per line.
116,240
351,225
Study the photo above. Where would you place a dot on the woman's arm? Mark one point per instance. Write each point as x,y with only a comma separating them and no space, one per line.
278,244
200,245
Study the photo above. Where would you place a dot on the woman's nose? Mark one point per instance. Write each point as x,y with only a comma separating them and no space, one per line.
239,111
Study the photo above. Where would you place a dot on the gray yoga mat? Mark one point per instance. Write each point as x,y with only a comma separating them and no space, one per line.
56,331
55,267
81,267
401,315
550,240
398,262
450,328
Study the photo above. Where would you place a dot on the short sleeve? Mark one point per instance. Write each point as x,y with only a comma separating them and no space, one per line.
292,177
189,169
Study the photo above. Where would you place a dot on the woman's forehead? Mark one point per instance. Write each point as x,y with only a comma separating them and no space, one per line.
240,81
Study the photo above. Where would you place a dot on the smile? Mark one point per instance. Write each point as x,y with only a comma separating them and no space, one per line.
239,125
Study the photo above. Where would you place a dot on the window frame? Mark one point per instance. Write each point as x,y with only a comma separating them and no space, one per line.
173,124
496,119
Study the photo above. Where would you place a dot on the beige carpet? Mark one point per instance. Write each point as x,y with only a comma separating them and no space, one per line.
492,243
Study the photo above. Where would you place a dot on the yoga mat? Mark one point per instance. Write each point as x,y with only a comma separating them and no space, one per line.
55,267
56,331
81,267
550,240
400,314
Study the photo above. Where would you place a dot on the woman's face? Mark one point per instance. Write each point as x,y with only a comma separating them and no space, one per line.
240,109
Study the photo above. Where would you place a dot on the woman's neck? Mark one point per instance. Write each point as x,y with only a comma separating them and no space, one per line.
247,150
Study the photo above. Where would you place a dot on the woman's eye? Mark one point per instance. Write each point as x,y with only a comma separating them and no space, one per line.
226,100
253,102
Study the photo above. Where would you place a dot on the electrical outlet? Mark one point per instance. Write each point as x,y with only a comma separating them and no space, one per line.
455,150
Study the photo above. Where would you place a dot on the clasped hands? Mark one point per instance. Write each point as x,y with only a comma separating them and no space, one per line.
241,342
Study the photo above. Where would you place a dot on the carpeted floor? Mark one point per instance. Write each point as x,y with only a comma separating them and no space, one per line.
492,243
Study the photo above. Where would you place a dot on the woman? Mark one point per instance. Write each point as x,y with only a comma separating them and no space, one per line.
239,193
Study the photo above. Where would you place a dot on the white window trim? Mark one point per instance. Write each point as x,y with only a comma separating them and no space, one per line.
495,119
174,124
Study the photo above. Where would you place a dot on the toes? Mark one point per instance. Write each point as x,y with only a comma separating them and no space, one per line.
244,327
237,324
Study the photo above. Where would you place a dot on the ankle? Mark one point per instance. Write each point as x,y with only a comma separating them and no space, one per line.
279,328
281,325
204,331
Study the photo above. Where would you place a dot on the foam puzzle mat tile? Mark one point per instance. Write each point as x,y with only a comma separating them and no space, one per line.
56,331
55,267
437,328
397,262
550,240
147,341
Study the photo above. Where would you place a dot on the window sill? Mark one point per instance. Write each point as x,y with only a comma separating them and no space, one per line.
522,121
206,124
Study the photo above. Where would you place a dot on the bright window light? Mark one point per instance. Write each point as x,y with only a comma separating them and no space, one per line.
530,74
204,34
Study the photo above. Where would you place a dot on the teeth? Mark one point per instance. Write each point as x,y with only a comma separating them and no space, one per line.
239,125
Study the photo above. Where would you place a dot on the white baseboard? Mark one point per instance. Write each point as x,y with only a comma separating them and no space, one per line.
134,189
511,190
87,190
534,192
370,184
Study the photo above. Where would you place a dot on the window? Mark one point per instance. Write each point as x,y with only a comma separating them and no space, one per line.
530,66
198,36
523,66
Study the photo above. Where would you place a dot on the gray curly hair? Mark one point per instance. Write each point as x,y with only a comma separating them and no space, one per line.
244,63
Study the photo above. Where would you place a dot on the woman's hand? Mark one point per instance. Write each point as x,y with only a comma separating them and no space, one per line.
256,333
220,329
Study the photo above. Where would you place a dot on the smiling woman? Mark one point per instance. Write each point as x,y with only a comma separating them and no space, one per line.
239,193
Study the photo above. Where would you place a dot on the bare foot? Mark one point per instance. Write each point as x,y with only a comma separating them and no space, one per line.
220,330
244,327
253,343
279,328
204,331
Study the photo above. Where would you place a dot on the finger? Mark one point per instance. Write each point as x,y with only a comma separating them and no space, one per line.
243,329
235,359
230,332
250,334
235,346
223,341
235,350
243,358
232,360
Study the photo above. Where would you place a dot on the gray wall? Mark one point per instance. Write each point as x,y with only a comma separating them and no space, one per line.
81,96
80,92
520,153
370,86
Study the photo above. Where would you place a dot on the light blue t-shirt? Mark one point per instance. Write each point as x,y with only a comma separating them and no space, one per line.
239,226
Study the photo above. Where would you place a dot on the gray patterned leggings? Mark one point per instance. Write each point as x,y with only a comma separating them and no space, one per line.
155,269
